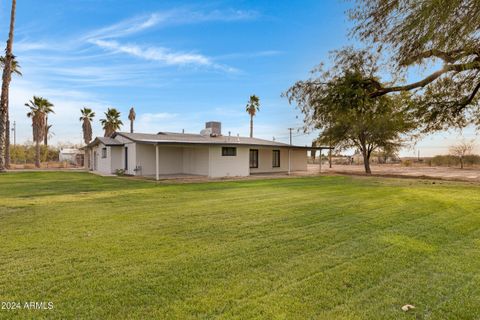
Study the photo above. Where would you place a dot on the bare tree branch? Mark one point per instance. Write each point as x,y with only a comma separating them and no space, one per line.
448,57
422,83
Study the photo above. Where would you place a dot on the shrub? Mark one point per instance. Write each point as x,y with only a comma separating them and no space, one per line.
445,161
407,163
25,153
454,161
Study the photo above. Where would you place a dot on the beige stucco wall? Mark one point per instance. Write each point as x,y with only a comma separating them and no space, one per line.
195,160
265,159
103,164
170,159
132,155
145,158
112,162
220,166
298,160
117,158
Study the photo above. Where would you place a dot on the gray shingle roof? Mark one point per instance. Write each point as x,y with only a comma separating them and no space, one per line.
189,138
106,141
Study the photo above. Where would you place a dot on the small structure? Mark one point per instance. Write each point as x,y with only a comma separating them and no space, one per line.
72,155
206,154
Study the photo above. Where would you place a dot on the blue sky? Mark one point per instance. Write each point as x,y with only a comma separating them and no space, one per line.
179,64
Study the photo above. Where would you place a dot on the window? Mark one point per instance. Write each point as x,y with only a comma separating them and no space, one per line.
229,151
253,158
276,159
104,153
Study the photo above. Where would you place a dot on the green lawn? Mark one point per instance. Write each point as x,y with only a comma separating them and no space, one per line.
300,248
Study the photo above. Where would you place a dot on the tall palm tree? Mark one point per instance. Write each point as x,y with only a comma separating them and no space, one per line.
48,107
37,113
131,117
15,70
112,121
253,106
86,119
6,78
15,66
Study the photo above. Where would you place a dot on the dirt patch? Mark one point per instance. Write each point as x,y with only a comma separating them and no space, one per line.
397,171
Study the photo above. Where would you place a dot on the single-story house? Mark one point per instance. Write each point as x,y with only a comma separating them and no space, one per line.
208,154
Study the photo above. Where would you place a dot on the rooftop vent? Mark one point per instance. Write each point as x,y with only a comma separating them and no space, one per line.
212,128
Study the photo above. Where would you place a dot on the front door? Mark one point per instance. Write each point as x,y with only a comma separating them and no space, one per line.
126,158
253,158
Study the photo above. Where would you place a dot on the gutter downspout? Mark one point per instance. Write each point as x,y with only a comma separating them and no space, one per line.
156,163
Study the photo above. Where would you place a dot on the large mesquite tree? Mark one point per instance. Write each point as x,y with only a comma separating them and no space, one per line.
339,103
422,33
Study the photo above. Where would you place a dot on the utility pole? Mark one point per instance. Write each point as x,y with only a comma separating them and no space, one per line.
14,130
290,129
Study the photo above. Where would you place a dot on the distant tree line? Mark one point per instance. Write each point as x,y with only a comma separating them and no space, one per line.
26,153
455,161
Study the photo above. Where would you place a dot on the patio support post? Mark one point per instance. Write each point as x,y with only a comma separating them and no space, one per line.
156,162
320,161
289,161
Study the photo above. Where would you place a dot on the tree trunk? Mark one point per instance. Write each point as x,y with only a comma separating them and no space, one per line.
131,126
330,157
7,143
45,137
366,162
6,77
461,162
37,154
86,159
251,126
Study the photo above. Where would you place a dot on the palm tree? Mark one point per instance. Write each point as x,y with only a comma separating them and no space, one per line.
253,106
112,121
14,70
87,118
131,117
6,78
48,107
38,114
15,66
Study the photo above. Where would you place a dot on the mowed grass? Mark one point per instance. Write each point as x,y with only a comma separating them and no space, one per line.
299,248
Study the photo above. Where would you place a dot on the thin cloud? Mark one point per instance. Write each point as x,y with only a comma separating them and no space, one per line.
160,54
248,55
127,27
30,46
154,53
173,17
